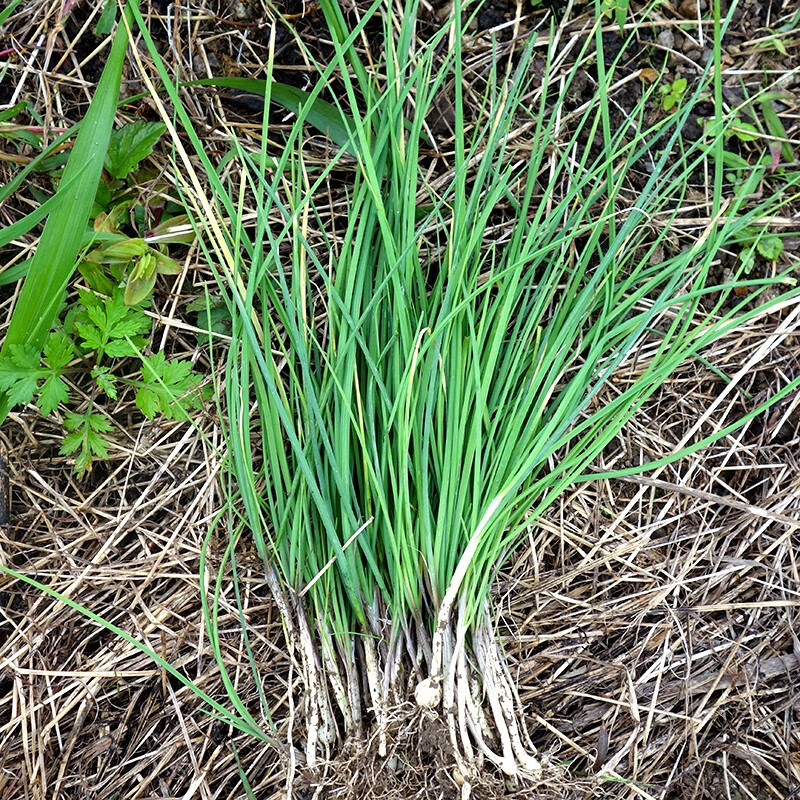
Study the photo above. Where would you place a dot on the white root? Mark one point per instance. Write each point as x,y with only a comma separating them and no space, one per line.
463,692
449,685
503,699
449,599
507,763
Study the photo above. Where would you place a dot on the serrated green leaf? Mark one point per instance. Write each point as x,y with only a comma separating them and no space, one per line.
115,310
73,420
85,438
130,145
96,443
176,372
99,422
53,392
97,315
72,441
20,372
23,357
147,402
132,324
58,351
119,348
105,381
22,391
169,386
91,336
89,299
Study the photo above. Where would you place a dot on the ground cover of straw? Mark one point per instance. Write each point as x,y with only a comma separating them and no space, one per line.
650,622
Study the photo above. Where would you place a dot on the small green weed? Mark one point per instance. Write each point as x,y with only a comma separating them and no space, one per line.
618,9
107,324
94,337
672,94
755,126
768,246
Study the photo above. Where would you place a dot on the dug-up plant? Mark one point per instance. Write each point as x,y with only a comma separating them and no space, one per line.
432,377
408,389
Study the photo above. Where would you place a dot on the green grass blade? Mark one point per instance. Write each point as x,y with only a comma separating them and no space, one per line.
322,115
8,10
214,705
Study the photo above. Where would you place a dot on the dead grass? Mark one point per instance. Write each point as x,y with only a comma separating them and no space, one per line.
651,622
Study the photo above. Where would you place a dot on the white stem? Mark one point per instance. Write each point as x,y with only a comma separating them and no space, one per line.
337,685
445,609
373,682
353,686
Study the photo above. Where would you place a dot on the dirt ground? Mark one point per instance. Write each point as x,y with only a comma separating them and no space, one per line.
651,623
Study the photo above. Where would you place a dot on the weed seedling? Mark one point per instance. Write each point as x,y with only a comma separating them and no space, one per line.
672,94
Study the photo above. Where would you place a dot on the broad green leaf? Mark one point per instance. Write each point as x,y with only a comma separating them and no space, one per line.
105,21
776,129
166,265
745,131
130,145
141,281
120,252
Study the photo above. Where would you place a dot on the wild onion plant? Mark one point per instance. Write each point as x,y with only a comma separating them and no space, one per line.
413,380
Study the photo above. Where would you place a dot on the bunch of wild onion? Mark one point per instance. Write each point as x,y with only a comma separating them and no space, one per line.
407,397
